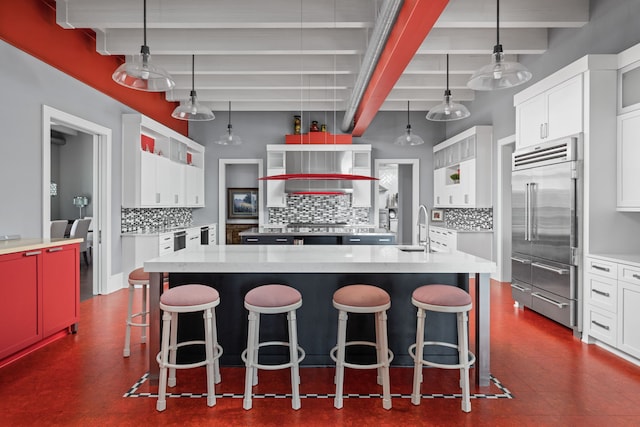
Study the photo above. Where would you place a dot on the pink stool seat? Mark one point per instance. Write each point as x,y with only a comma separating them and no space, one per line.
443,295
189,295
139,275
272,296
361,296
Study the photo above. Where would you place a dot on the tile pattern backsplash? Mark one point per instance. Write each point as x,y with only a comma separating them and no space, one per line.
468,219
154,218
318,209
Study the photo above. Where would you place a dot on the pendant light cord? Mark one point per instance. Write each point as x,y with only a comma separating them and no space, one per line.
447,72
497,21
229,126
193,72
408,122
144,19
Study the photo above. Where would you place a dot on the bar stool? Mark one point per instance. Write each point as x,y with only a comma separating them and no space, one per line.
272,299
188,299
362,299
443,299
137,277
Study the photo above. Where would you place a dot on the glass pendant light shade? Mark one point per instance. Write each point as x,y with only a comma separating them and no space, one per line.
408,138
192,110
140,73
499,74
448,110
228,138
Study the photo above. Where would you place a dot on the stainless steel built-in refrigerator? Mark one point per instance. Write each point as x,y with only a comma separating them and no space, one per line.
545,230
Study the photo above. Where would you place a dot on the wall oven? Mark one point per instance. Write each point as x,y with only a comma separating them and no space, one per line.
179,240
204,235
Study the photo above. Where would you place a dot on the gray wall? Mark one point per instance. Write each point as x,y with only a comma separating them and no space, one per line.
26,84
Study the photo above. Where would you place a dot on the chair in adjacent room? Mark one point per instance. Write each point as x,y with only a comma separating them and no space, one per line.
90,236
272,299
362,299
80,229
443,299
58,228
188,299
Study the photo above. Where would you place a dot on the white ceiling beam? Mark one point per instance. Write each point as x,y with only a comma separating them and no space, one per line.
220,108
250,82
214,14
479,40
458,64
233,41
255,94
429,95
514,14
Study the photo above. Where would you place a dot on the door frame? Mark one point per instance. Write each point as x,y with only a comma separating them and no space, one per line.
502,227
102,166
222,193
415,191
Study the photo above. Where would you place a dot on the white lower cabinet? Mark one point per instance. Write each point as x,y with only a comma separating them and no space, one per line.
612,292
478,243
193,237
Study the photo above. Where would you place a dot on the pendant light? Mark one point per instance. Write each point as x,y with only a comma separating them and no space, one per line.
408,138
500,74
192,110
447,110
140,73
228,138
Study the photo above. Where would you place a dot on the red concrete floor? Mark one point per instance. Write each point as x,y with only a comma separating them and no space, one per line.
554,379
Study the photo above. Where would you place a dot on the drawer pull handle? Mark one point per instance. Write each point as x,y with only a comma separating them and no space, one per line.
354,240
561,271
281,240
549,300
597,267
604,294
167,248
252,239
636,276
388,240
521,260
600,325
519,288
32,253
58,249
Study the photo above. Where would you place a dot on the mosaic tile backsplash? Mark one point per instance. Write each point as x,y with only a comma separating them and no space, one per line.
319,209
154,219
469,219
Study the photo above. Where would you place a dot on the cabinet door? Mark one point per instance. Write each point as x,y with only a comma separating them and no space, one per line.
629,318
439,186
628,158
276,197
61,288
564,109
194,186
530,121
466,194
164,181
361,189
149,195
20,285
193,238
176,183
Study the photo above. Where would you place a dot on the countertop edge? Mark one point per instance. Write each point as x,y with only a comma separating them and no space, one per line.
20,245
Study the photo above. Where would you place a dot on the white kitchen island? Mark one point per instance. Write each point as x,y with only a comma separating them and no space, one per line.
317,271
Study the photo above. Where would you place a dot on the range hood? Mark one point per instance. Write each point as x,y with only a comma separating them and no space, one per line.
318,173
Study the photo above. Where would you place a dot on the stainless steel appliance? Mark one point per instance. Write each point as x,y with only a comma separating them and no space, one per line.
179,240
545,228
204,235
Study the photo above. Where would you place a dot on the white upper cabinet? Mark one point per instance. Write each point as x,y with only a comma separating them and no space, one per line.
160,167
552,114
629,88
628,160
462,172
276,165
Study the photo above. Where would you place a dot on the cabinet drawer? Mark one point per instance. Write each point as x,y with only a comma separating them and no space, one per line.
602,292
601,325
629,274
602,268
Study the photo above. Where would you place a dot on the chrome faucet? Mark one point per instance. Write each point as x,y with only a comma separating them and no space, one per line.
423,228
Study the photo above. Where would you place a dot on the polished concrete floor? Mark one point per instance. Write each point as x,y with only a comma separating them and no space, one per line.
543,377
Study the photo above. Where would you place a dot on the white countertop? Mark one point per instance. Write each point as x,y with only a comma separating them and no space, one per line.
620,258
315,259
19,245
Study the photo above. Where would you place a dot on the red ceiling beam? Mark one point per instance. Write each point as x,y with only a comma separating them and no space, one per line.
30,25
415,19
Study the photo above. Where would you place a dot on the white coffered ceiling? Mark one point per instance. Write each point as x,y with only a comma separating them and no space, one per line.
292,55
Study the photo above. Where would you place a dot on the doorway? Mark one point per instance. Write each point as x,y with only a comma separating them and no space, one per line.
396,194
99,139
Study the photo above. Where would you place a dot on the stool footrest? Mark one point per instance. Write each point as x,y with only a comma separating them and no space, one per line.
289,364
412,353
217,355
334,350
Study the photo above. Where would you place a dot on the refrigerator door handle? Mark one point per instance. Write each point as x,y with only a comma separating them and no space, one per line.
531,210
521,260
549,300
527,237
561,271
